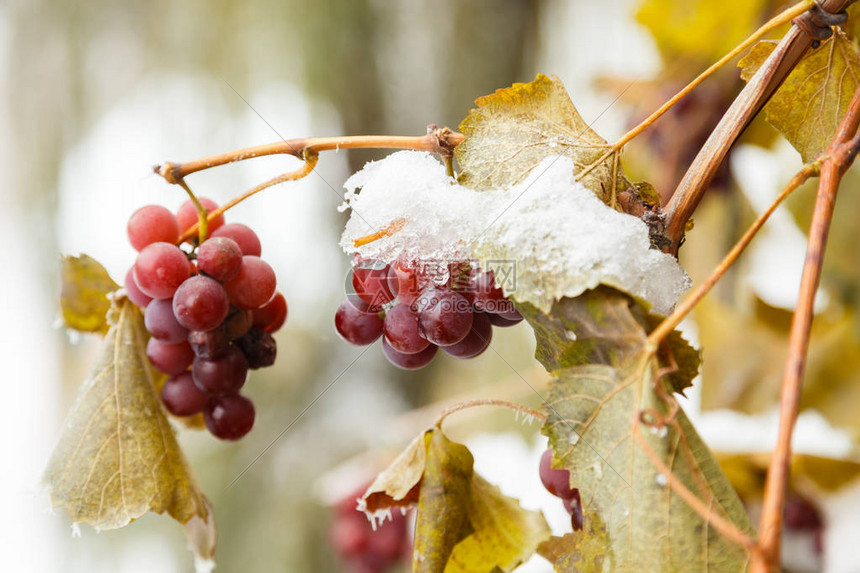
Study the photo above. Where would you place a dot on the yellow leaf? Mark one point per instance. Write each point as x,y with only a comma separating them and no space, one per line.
514,129
83,298
117,456
700,31
811,102
397,486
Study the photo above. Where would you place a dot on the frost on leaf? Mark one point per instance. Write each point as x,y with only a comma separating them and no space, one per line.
598,405
554,234
84,296
463,523
117,456
809,105
514,129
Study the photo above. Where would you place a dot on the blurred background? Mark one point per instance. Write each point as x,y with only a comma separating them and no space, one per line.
92,94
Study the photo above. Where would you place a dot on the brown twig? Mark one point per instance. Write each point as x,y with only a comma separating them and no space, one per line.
487,402
838,157
441,141
684,308
749,102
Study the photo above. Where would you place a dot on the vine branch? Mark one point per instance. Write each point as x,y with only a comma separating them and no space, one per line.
837,159
746,106
487,402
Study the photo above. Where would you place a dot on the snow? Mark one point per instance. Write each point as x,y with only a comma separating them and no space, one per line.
553,233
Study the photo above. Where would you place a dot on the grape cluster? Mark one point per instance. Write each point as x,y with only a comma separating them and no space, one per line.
557,482
416,316
210,313
364,549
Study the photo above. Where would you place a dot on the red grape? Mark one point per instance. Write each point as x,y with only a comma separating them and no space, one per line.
556,481
247,239
410,281
159,269
401,330
272,315
255,284
187,215
488,297
229,417
357,326
200,303
573,505
161,322
220,258
210,343
182,397
259,348
238,322
476,342
448,320
409,361
169,358
223,375
374,282
152,224
133,291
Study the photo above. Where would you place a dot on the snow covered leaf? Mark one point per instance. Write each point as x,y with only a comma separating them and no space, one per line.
514,129
554,237
809,105
598,406
117,456
84,295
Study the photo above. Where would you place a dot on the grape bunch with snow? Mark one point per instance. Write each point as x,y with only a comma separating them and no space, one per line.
418,282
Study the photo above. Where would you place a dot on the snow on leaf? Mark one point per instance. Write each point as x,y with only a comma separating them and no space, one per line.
809,105
84,295
117,457
463,523
553,235
604,386
514,129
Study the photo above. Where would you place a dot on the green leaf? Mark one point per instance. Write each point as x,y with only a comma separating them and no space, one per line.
514,129
811,102
117,456
464,524
596,346
84,295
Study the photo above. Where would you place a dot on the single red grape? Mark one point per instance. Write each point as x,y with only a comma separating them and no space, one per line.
556,481
186,216
200,303
161,322
409,361
272,315
255,284
476,342
133,291
247,239
448,320
159,269
357,326
169,358
401,330
152,224
182,397
229,417
220,258
222,375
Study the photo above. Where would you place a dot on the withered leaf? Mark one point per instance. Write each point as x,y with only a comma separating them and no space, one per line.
84,295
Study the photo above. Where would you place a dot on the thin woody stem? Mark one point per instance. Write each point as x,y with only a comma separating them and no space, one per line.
310,161
774,23
487,402
838,157
684,308
441,141
202,222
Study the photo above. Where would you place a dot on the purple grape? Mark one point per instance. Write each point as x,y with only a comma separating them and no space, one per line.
448,320
573,505
238,322
209,344
357,326
200,303
489,298
409,361
223,375
182,397
161,322
133,291
169,358
556,481
229,417
259,348
400,328
476,342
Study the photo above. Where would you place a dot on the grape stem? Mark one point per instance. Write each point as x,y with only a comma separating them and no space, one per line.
441,141
202,214
487,402
777,21
837,159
